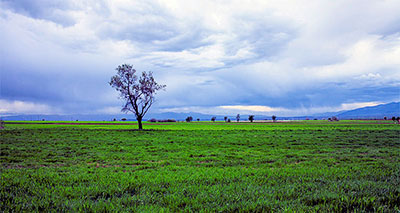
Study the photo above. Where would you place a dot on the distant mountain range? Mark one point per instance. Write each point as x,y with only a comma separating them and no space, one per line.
372,112
389,110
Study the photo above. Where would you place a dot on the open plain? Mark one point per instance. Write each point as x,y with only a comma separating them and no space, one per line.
200,166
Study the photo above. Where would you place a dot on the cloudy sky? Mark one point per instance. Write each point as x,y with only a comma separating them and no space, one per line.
220,57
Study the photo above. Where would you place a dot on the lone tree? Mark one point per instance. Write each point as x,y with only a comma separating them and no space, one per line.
274,118
237,117
213,119
138,93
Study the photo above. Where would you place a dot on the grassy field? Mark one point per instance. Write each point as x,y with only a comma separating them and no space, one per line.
201,166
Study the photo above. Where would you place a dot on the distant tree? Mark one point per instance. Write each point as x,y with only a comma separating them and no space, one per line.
213,119
274,118
229,120
385,118
394,119
198,119
164,120
153,120
114,119
189,119
237,117
225,118
161,120
123,119
138,93
398,120
251,118
334,118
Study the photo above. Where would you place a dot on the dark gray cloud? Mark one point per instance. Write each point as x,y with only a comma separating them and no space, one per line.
42,9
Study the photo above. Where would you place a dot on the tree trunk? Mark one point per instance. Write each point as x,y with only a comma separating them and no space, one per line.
139,119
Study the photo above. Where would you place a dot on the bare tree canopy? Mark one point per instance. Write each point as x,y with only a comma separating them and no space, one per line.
138,93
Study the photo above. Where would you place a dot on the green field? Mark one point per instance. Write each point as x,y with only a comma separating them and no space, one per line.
201,166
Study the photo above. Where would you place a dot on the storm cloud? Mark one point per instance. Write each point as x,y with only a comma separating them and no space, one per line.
287,57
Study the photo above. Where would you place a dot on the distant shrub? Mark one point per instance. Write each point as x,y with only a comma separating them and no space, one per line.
251,118
153,120
114,119
394,119
213,119
167,120
229,120
189,119
1,124
123,119
198,119
385,118
334,118
398,119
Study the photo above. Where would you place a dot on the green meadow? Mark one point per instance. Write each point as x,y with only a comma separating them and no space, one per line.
303,166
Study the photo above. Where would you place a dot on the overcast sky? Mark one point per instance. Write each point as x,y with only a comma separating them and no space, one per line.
219,57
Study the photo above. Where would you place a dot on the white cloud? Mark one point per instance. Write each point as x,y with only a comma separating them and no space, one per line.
371,76
350,106
25,107
254,108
